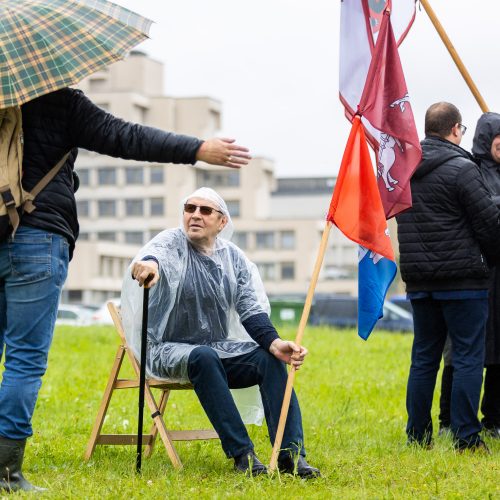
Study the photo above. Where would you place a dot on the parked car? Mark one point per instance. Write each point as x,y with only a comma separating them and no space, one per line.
342,311
101,316
68,314
403,302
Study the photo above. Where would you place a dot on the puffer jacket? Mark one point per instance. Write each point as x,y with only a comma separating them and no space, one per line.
453,227
488,127
61,122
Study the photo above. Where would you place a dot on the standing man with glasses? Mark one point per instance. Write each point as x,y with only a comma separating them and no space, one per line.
446,241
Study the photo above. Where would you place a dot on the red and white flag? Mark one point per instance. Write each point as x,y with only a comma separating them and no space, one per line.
385,103
382,99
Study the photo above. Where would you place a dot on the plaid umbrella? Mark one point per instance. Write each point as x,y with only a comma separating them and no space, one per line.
46,45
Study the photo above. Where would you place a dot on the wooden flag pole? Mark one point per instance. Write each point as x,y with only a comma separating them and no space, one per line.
298,340
454,54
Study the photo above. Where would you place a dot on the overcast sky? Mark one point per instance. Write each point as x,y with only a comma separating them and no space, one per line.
274,66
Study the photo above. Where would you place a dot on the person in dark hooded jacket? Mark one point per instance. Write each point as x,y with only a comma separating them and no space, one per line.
486,151
446,240
34,263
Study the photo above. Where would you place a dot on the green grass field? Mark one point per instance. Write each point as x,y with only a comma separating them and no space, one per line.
352,395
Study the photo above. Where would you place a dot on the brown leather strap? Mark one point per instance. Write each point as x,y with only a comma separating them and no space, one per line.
30,196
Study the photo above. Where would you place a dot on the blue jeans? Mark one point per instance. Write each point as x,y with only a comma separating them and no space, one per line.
212,378
33,268
465,322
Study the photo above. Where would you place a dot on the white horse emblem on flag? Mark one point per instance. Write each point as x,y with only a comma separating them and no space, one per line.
386,153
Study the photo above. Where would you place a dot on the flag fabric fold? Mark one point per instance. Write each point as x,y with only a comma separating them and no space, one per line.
356,209
385,104
360,22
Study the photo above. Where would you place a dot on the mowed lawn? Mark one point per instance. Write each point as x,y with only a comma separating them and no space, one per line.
352,395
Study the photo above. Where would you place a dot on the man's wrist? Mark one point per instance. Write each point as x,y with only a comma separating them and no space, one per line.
273,347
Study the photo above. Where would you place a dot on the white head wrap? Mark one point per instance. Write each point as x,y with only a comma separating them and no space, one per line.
209,194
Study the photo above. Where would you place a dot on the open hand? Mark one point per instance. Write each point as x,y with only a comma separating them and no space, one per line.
223,152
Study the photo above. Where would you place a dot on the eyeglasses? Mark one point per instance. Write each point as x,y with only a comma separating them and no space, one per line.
190,208
463,128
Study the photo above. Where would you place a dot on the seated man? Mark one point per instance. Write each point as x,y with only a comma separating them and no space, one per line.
208,324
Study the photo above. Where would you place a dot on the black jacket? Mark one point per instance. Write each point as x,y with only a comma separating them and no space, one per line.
488,127
453,226
65,120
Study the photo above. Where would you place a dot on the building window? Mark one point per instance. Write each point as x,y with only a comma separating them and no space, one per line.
83,208
157,175
154,232
157,206
84,237
264,239
134,175
134,237
106,208
84,176
106,267
287,271
287,240
134,207
75,295
234,207
267,270
106,236
214,179
106,176
240,239
97,84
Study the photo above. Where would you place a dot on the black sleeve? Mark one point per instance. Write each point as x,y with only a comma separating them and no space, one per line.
96,130
260,328
482,212
151,257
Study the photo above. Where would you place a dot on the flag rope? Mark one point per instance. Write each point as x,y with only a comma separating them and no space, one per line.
298,340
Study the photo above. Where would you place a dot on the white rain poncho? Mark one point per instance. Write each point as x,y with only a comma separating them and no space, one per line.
199,300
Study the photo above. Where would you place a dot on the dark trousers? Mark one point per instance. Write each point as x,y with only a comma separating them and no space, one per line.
490,404
212,378
464,320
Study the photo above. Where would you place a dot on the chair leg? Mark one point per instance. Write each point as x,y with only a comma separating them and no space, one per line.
148,450
103,408
162,429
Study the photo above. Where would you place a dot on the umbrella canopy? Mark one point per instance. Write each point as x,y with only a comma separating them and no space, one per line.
46,45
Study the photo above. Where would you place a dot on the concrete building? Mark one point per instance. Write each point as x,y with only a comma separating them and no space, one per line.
122,204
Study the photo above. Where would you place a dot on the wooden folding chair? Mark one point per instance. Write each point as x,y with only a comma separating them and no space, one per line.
157,409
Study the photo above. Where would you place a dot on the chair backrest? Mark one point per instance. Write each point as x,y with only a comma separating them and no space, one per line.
117,320
114,310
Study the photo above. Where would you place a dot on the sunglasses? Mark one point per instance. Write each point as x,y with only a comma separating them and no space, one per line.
204,210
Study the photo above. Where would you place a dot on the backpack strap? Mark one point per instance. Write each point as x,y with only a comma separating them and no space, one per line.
10,205
42,183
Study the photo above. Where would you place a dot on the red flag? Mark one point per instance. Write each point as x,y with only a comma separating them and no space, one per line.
356,208
385,104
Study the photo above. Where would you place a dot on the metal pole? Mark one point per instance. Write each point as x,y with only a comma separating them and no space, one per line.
142,377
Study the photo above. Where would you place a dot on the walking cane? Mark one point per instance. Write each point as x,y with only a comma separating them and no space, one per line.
142,376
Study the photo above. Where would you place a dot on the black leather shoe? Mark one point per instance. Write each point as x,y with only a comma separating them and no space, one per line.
289,464
249,463
478,447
